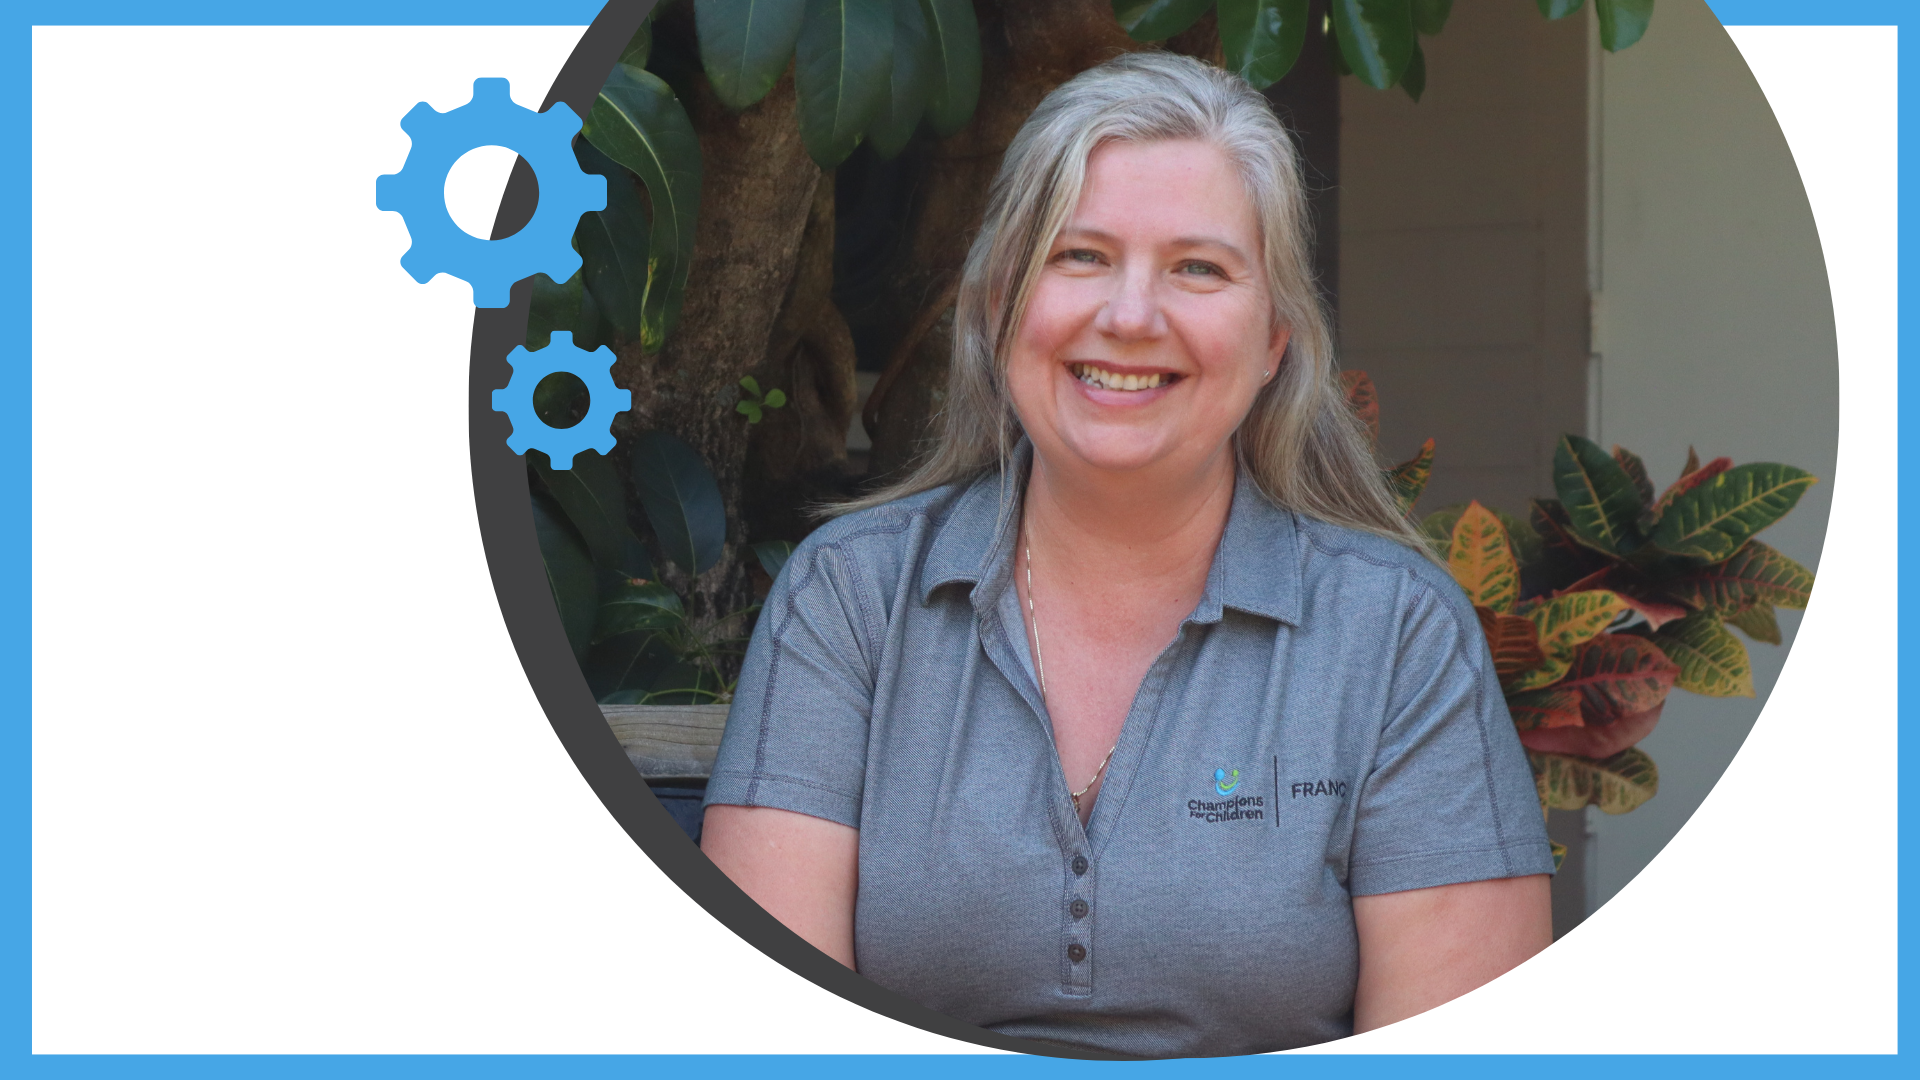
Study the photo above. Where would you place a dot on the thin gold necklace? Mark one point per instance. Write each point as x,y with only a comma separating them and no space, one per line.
1040,664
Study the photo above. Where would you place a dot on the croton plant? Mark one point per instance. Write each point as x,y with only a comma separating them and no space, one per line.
1607,597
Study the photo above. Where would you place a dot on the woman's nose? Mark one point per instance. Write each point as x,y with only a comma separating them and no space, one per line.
1132,311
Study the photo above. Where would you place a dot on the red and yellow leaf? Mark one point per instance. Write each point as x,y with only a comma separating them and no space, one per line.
1482,560
1409,478
1564,623
1635,592
1712,661
1757,622
1512,640
1755,574
1553,707
1616,784
1618,675
1695,475
1636,471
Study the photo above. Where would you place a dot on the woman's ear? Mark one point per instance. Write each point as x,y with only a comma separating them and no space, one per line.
1277,350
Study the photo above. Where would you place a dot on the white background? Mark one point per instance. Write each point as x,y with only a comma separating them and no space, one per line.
295,794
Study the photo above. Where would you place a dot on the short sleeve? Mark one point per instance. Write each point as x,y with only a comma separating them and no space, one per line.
796,737
1450,797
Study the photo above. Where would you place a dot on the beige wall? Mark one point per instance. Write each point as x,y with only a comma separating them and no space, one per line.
1463,230
1714,328
1473,259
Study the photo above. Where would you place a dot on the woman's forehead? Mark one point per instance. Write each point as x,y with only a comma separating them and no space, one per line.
1171,193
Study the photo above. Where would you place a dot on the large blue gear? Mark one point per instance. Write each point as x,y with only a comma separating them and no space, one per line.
418,192
605,400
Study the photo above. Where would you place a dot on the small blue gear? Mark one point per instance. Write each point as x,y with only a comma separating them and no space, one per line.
418,192
604,400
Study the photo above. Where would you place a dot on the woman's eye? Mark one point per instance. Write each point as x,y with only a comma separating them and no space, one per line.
1080,255
1201,269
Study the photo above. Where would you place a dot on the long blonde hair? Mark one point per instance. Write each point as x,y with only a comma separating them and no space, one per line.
1300,442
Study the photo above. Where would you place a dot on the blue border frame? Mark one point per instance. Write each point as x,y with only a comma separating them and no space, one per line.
16,584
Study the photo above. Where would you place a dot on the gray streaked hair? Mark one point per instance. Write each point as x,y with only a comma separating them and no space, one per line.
1300,442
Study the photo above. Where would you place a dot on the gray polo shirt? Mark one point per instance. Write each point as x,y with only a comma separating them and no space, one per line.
1326,725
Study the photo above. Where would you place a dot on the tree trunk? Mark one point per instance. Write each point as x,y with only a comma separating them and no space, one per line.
756,198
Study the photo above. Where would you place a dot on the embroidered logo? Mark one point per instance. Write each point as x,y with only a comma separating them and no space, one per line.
1230,806
1224,781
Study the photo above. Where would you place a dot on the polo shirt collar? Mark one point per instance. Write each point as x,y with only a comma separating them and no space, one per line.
1255,570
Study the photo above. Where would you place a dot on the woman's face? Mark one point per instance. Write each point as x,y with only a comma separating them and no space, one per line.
1149,329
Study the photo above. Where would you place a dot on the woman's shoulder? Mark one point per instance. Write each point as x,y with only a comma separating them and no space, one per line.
1345,553
880,542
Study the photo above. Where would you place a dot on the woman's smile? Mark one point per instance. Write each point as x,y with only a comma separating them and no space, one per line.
1130,383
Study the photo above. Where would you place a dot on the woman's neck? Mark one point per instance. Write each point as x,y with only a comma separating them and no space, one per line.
1134,526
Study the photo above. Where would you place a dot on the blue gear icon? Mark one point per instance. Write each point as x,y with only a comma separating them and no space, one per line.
604,400
418,192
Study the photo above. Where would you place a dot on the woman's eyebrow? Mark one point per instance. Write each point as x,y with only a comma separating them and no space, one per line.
1184,242
1179,243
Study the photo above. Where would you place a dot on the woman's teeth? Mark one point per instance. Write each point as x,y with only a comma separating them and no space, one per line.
1113,380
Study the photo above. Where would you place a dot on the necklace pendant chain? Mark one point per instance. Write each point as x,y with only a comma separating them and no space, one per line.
1040,667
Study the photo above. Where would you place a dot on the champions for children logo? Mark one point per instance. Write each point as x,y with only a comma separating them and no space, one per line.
1229,807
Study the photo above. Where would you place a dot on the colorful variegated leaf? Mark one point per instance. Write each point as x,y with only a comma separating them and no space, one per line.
1362,399
1616,785
1755,574
1712,661
1617,675
1564,623
1409,478
1603,507
1715,517
1512,640
1757,622
1636,471
1692,477
1481,560
1552,707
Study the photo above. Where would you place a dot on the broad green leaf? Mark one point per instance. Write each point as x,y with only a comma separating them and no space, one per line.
569,573
1636,471
635,607
1558,9
1512,640
1564,623
914,66
745,45
1376,38
1414,79
1430,16
1714,519
1755,574
1551,707
1622,22
1712,661
637,122
613,246
1603,509
640,46
1481,561
554,307
1691,477
1616,785
1363,399
775,398
1757,622
1618,675
1157,20
773,555
594,501
681,500
1409,478
1261,39
956,49
843,67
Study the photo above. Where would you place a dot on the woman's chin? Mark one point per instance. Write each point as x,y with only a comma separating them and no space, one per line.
1124,452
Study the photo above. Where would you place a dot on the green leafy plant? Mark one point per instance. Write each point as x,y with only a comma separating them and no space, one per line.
752,403
630,633
1607,597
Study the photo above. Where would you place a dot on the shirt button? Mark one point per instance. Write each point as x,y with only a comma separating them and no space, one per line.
1079,909
1076,952
1079,864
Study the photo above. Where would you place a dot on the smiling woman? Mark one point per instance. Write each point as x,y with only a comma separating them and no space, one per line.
1146,615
